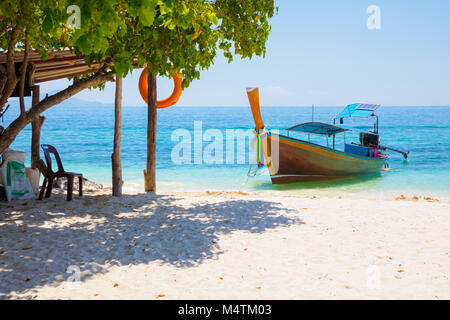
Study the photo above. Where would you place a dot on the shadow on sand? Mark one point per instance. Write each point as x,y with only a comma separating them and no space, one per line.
38,244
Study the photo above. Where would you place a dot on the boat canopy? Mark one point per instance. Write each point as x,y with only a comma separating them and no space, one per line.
319,128
358,110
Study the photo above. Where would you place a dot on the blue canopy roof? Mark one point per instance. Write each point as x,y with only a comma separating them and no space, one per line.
358,110
319,128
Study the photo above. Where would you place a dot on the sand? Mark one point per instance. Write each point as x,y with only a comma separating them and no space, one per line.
225,245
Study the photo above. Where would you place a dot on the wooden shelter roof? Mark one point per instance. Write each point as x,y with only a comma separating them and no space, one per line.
60,65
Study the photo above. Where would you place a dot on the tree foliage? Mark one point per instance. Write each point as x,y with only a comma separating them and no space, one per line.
165,35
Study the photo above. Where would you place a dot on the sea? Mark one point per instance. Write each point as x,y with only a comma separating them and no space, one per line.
209,148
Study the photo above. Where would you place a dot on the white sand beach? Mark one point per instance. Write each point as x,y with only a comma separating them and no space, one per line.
225,245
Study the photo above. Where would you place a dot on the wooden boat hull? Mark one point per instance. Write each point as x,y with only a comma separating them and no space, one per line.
298,160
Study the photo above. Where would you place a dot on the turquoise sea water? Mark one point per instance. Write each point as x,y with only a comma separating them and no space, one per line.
84,137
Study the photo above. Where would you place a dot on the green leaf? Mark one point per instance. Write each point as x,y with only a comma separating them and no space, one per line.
84,44
47,24
147,12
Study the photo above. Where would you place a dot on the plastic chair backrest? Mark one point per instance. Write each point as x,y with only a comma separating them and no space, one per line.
48,149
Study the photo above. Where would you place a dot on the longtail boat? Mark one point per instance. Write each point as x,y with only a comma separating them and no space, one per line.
292,160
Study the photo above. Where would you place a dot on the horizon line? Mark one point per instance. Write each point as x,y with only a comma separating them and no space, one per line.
274,106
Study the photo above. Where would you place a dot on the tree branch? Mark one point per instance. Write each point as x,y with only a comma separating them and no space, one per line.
5,31
23,73
96,79
8,136
11,77
3,79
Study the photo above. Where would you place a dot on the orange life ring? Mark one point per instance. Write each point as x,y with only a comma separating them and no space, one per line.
165,103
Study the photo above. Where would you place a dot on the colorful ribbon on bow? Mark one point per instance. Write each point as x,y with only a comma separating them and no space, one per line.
260,135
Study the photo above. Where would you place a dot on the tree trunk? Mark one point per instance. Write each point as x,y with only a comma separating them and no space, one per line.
8,79
150,173
23,75
116,156
36,126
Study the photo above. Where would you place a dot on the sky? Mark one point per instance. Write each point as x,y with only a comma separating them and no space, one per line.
321,52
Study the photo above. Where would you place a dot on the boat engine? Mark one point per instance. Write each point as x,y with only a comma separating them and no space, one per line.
369,139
